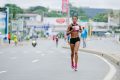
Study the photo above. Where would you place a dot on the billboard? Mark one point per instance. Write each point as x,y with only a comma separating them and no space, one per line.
2,23
60,20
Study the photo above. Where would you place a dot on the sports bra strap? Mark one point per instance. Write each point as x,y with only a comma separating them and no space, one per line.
73,24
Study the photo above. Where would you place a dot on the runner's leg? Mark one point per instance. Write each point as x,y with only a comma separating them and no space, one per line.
72,55
76,53
83,42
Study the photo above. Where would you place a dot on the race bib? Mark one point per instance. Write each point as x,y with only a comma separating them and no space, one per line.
76,27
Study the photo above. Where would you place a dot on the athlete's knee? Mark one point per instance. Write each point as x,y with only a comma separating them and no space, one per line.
76,52
72,54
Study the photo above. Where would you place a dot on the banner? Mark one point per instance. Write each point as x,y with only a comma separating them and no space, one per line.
2,23
65,6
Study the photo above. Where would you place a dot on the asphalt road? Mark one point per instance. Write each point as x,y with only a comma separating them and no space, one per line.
46,62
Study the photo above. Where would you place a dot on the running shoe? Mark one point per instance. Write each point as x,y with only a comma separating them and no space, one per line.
75,68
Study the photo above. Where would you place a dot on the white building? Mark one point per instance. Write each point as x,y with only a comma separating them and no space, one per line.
29,17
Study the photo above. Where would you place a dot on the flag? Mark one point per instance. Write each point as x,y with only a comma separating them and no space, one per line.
65,6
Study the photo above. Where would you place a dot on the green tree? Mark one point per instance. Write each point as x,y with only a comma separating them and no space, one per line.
54,14
37,10
14,9
101,17
74,11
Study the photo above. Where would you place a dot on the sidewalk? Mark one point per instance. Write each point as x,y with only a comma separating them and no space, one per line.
7,45
106,47
25,42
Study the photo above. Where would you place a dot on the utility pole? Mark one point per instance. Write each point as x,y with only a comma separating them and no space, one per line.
68,15
66,9
108,21
119,18
42,17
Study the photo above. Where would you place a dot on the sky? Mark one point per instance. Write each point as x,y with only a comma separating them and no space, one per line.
56,4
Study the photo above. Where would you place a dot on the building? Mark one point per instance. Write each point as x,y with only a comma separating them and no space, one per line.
29,17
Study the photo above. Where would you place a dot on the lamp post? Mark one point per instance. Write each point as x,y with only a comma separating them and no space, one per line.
68,15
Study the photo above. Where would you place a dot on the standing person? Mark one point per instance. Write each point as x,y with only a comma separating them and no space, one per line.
56,41
65,37
84,36
68,39
15,39
73,30
9,37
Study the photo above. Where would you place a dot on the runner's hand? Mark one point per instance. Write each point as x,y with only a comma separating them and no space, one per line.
80,31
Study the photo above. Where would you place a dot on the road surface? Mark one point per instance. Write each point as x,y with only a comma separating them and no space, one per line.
46,62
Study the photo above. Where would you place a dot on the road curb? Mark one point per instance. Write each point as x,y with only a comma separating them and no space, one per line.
118,42
110,57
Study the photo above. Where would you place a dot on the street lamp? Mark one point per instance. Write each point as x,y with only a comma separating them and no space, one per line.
108,20
119,18
68,15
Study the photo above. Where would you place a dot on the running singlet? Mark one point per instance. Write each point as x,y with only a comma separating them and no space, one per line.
75,27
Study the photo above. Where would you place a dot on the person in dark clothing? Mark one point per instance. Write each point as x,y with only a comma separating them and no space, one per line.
9,37
56,41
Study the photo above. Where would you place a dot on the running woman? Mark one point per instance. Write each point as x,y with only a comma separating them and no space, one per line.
73,30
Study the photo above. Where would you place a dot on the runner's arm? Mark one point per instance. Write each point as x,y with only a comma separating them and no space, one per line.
80,29
68,30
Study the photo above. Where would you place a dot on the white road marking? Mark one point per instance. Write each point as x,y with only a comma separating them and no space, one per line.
13,58
63,51
66,52
112,70
43,50
51,52
38,52
25,52
36,60
2,72
13,52
68,57
42,54
1,52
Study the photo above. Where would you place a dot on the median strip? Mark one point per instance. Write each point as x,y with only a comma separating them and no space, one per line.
113,57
